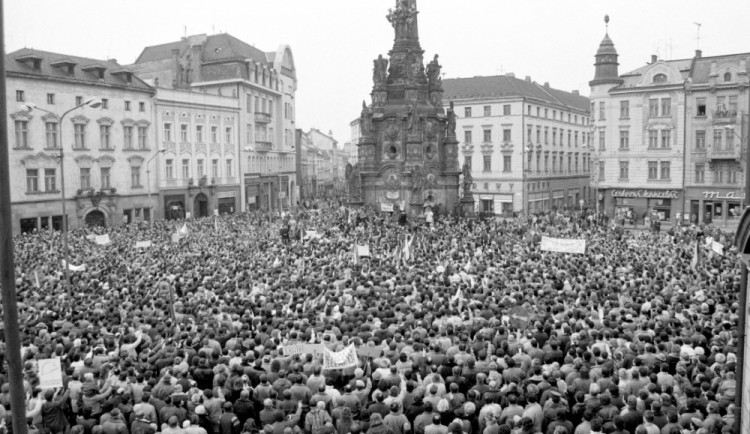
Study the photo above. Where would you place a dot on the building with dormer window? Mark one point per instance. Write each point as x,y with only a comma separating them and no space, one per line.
106,149
526,143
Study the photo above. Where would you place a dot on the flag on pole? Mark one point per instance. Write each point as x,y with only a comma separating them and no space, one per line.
694,262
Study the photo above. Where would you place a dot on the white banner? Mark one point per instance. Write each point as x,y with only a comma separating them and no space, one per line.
717,247
347,358
142,244
386,207
563,245
102,240
50,373
72,267
363,250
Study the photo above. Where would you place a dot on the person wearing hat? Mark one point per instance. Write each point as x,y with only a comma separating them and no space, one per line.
114,423
229,423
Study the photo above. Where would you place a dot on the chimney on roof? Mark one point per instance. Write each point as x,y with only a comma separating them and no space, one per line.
654,58
528,78
546,84
698,54
575,92
510,74
176,68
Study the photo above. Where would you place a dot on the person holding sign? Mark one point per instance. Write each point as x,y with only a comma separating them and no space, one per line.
53,415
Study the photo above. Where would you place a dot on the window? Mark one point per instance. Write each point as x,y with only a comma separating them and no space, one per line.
700,173
720,103
105,103
22,134
127,106
170,168
665,168
135,176
229,170
487,111
653,108
85,178
653,168
554,136
141,106
546,112
487,163
215,168
50,180
249,130
20,96
718,176
185,169
51,133
167,132
624,109
214,134
538,166
602,143
127,131
79,131
624,166
732,104
104,175
538,135
32,180
729,141
201,168
601,111
653,138
700,140
506,135
624,139
727,76
666,138
183,133
249,103
199,133
467,161
717,140
506,163
256,101
142,138
50,98
700,104
666,106
601,170
546,135
467,112
487,136
228,135
538,109
467,136
660,78
593,109
506,109
79,100
104,131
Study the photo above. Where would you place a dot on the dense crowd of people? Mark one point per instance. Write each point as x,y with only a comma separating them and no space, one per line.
474,331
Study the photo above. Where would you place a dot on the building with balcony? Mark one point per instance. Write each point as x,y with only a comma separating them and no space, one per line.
526,143
199,169
318,173
263,86
105,149
668,136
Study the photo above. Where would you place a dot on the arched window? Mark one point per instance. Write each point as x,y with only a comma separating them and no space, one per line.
660,78
728,76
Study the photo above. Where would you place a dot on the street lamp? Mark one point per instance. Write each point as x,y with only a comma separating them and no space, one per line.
29,107
148,182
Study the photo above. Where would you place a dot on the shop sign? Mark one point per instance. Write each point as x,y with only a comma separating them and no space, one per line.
717,195
647,194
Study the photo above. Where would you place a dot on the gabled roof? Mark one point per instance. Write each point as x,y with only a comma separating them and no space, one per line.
503,86
215,48
17,63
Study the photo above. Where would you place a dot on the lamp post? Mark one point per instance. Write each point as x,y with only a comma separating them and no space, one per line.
148,182
29,107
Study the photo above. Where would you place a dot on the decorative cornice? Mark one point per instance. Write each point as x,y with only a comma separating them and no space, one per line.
79,120
105,121
21,115
136,160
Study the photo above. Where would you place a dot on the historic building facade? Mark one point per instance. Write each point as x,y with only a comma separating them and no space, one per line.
263,85
668,136
105,148
526,143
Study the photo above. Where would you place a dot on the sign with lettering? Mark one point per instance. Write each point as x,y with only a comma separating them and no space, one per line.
717,195
50,373
563,245
646,194
347,358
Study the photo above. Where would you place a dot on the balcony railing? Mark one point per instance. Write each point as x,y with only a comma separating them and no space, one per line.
721,113
732,153
263,146
262,118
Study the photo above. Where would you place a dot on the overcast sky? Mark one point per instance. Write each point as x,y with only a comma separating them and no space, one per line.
334,41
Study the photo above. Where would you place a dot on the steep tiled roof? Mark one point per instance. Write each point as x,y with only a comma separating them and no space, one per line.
507,86
216,48
85,69
702,67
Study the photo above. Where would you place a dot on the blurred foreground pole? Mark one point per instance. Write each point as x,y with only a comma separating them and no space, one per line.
7,266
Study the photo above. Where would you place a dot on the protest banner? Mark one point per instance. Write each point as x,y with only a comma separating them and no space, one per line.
346,358
299,348
386,207
102,240
72,267
363,250
368,351
563,245
142,244
50,373
717,247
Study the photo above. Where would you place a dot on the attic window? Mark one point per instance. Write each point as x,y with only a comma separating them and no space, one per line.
31,60
660,78
97,70
728,76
